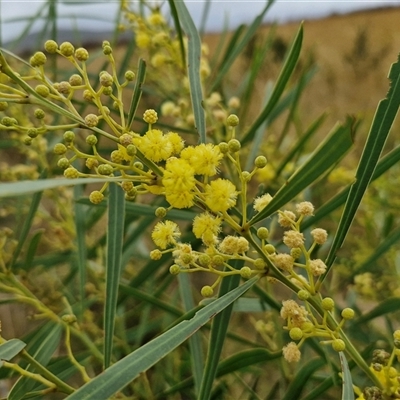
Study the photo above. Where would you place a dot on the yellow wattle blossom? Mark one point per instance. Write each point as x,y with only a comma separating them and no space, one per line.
165,233
204,158
154,145
221,195
179,183
206,226
176,141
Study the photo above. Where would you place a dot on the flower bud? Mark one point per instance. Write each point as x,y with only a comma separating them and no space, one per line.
81,54
232,120
96,197
260,162
207,291
51,46
67,49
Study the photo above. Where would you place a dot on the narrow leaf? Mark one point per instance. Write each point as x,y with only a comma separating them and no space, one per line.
124,371
381,125
194,56
11,348
27,187
280,85
115,234
137,91
347,383
219,329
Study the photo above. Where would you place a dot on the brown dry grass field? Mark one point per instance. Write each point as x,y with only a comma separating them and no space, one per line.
353,53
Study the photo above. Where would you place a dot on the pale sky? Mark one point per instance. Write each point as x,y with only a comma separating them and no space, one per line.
99,15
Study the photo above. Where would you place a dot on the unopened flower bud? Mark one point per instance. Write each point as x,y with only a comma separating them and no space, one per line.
67,49
207,291
232,120
51,46
96,197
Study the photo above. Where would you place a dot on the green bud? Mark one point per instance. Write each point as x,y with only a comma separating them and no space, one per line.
91,140
223,147
39,113
303,294
234,145
161,212
327,304
174,269
260,162
296,333
338,345
207,291
81,54
42,90
67,49
60,149
232,120
51,46
69,136
105,169
262,233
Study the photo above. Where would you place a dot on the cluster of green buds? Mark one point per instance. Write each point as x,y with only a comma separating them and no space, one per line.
303,323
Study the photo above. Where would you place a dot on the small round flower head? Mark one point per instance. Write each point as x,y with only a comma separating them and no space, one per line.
286,218
51,46
232,120
32,132
63,163
67,49
174,269
259,263
296,333
234,245
262,233
207,291
291,352
96,197
234,145
245,272
221,195
179,183
39,58
129,75
105,169
154,145
234,102
206,226
204,158
42,90
91,140
87,95
319,235
338,345
260,162
223,147
293,311
64,87
155,254
165,233
328,303
183,255
176,141
150,116
106,80
71,173
69,136
293,239
317,267
305,208
81,54
91,120
92,163
60,149
262,201
125,139
347,313
284,261
75,80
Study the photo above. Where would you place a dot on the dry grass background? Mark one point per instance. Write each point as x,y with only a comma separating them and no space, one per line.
353,53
